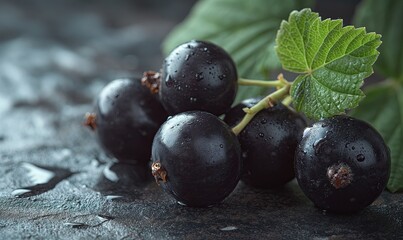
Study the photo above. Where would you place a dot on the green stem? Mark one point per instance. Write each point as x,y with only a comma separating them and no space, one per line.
287,101
266,102
262,83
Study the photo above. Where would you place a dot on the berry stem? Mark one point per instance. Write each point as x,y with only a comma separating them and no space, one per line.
260,83
266,102
280,82
287,100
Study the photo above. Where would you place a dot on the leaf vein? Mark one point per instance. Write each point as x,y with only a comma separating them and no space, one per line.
333,90
323,42
345,54
290,37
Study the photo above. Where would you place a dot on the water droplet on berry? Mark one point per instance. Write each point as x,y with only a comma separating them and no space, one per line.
263,121
360,157
199,76
261,134
221,146
187,57
221,77
169,82
205,49
320,145
244,154
193,99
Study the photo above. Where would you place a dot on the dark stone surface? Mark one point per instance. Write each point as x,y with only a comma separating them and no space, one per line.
55,182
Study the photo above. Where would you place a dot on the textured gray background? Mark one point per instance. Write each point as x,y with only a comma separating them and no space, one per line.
55,56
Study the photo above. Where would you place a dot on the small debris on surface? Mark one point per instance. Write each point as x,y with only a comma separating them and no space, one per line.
229,228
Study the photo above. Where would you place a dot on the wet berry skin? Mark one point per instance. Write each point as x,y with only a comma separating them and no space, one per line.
268,144
342,164
196,158
198,75
127,118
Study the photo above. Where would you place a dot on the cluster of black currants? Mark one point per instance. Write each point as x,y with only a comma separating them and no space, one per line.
342,164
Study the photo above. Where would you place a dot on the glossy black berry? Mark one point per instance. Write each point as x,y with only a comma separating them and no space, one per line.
342,164
198,76
127,118
268,143
196,158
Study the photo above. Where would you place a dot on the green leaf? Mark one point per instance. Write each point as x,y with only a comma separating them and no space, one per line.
245,29
383,109
333,61
386,18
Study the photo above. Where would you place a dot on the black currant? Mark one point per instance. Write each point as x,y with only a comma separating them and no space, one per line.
127,118
268,143
198,75
342,164
196,158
